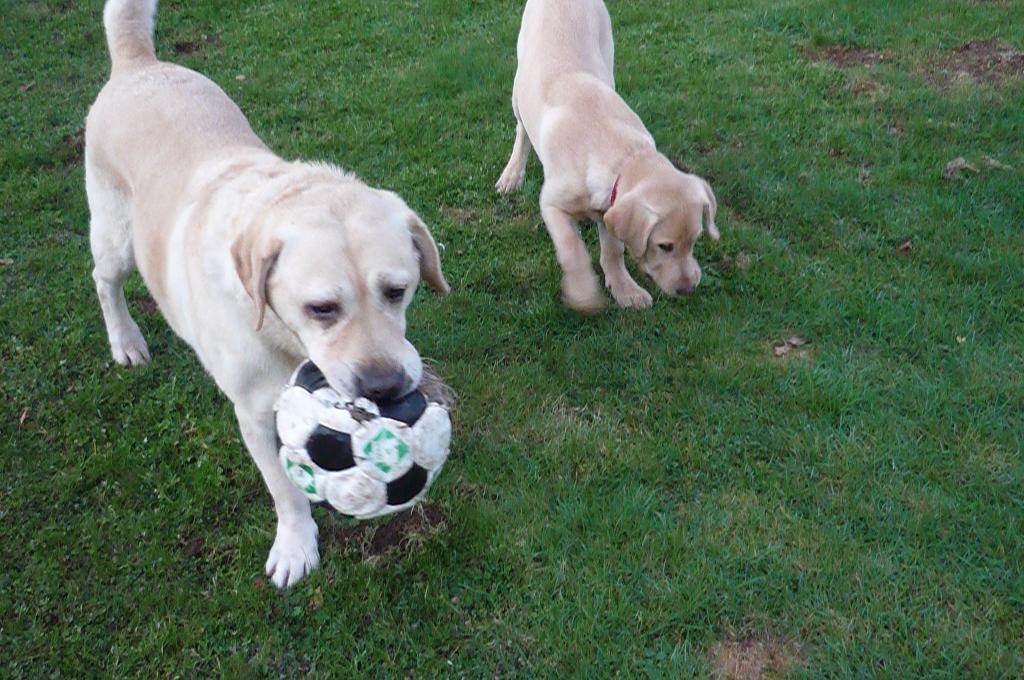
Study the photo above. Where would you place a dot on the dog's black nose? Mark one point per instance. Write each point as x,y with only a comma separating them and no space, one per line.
686,290
381,382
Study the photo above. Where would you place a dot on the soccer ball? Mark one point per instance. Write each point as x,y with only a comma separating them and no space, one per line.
362,458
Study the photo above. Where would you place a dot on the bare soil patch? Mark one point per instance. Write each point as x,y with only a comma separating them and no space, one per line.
145,304
990,62
752,658
71,149
402,534
202,42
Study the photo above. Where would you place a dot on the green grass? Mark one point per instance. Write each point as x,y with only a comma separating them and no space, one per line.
623,491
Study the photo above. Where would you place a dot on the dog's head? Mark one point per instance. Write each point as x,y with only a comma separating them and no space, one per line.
338,264
660,218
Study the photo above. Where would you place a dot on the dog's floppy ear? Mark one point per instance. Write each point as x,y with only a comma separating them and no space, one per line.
254,254
426,251
708,212
631,221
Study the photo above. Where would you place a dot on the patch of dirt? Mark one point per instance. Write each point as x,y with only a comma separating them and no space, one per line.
191,46
841,56
753,658
71,149
866,87
460,215
982,61
739,263
402,534
145,304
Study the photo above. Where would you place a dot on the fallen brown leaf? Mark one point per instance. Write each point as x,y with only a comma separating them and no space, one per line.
742,261
894,131
27,86
904,248
193,547
23,417
954,167
781,349
993,163
6,261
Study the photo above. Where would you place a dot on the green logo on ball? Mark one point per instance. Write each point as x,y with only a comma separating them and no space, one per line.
302,475
385,450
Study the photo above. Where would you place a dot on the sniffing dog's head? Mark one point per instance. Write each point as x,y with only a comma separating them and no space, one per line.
338,264
659,218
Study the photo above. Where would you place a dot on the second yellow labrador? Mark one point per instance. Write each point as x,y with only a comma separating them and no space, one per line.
599,162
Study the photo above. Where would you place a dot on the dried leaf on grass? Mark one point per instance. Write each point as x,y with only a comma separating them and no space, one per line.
954,167
993,163
781,349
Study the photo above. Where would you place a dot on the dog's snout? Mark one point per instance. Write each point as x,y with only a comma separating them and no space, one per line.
686,289
378,382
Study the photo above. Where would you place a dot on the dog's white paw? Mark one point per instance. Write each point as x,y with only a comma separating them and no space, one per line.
582,292
629,295
510,180
129,347
294,554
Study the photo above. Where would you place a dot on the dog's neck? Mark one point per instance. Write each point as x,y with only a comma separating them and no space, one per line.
628,171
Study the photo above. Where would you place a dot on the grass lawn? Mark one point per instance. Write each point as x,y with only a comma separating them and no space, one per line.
638,494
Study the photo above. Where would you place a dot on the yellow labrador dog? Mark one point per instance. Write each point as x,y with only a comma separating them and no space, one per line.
599,162
255,261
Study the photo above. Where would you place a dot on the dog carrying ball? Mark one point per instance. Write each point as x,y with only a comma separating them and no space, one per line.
363,458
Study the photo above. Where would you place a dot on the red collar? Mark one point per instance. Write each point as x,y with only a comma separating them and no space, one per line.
615,192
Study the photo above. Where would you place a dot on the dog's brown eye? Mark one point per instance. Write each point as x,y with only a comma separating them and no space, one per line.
666,247
323,311
394,293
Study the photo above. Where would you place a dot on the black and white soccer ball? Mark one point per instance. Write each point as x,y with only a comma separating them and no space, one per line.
363,458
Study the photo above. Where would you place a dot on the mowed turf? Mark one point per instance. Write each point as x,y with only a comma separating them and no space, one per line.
638,494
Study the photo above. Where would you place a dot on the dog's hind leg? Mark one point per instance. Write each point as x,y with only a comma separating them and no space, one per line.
514,172
110,236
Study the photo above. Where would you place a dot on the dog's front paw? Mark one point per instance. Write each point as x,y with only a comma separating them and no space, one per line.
510,180
294,554
582,292
129,347
629,295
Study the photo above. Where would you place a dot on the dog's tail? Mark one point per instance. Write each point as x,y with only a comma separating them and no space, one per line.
129,26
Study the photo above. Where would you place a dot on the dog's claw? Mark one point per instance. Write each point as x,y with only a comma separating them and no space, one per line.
293,556
129,348
509,182
629,295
